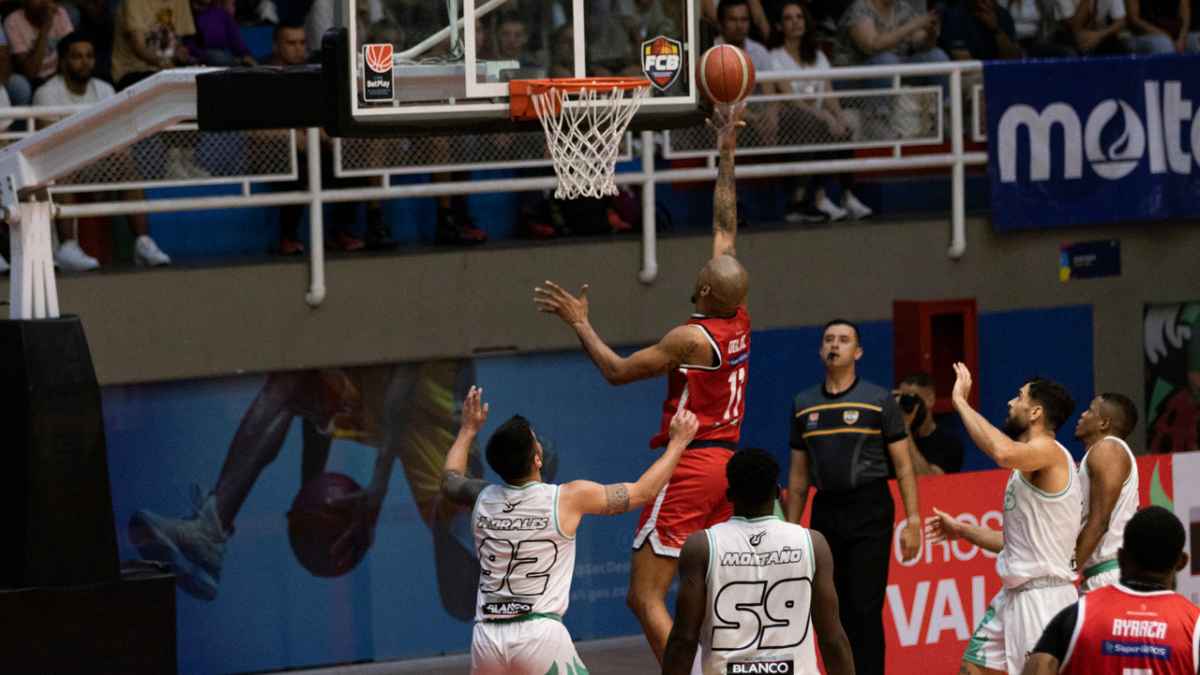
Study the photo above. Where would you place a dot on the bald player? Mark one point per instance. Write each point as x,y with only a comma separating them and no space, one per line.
1108,476
706,361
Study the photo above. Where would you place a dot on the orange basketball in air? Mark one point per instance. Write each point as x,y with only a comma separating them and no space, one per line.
726,74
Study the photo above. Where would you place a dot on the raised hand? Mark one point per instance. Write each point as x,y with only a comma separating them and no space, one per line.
962,382
726,120
554,299
474,412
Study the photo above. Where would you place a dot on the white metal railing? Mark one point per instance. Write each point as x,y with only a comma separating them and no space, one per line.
937,108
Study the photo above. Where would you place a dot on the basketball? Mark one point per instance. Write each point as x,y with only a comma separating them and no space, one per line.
314,526
726,74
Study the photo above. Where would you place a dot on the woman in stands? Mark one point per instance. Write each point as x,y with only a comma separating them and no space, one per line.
814,120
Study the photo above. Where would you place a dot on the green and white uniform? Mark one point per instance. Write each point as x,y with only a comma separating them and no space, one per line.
760,586
1100,569
1037,568
525,568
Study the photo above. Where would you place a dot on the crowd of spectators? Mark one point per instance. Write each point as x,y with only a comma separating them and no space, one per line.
56,52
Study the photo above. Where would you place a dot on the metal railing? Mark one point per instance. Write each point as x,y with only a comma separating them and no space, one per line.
887,111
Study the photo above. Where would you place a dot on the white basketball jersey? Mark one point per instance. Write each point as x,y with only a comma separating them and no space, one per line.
1123,510
759,606
1040,529
525,562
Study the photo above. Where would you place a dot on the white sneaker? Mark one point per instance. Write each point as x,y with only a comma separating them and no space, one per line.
830,209
3,265
146,253
72,258
173,168
267,12
187,158
857,209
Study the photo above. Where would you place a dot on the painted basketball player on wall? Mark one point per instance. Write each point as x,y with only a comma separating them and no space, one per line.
406,412
1172,346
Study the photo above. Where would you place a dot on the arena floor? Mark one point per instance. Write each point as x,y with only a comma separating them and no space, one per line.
614,656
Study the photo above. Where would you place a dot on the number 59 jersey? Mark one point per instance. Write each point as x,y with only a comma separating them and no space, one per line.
759,618
525,562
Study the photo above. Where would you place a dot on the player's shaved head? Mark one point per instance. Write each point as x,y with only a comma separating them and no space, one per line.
727,283
1121,413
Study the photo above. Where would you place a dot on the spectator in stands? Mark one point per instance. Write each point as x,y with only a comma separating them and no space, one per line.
149,38
938,451
96,21
218,38
1092,26
512,41
1159,26
979,29
650,20
820,120
33,33
611,35
74,85
1035,28
13,87
288,49
562,51
733,18
711,12
888,32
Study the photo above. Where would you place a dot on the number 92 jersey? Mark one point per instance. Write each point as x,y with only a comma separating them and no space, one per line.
759,618
714,393
525,562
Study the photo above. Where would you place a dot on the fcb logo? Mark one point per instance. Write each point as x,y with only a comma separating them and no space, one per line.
850,416
377,73
662,61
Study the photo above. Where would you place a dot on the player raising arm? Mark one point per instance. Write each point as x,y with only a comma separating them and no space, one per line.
525,533
706,360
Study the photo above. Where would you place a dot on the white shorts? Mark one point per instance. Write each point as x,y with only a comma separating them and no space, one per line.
1013,623
1105,578
530,647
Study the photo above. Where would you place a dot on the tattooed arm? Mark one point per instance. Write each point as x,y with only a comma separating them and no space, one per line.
683,345
726,122
582,497
455,485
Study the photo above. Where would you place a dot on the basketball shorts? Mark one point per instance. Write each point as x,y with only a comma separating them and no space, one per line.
1107,575
1014,622
534,646
694,499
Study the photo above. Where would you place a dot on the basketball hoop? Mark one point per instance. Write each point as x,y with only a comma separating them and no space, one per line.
584,120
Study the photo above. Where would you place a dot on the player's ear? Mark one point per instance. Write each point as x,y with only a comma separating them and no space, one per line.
1184,559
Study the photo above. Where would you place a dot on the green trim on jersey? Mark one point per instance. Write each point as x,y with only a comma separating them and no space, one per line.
557,528
1100,568
527,617
1042,493
759,519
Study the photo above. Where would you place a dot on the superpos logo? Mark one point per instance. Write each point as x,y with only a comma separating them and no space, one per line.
1163,125
662,61
378,57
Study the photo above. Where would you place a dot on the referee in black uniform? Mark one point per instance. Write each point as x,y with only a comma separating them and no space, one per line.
843,433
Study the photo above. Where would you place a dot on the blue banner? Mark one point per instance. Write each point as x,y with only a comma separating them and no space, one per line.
1093,141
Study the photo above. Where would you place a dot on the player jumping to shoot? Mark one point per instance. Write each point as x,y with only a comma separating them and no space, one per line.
706,360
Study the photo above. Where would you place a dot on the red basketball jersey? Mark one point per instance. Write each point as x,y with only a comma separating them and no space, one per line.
1127,632
716,394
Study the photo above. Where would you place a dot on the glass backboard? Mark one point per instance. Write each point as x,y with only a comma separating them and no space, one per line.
411,64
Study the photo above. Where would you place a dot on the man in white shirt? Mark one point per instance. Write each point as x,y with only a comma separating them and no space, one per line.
74,85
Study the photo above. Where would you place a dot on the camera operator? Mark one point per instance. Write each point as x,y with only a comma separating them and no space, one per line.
939,451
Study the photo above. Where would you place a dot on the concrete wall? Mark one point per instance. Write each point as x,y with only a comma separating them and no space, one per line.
183,323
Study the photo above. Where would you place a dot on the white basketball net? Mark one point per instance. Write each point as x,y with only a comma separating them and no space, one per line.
585,136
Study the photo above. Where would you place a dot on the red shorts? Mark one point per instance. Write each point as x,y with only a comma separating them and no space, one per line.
694,499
